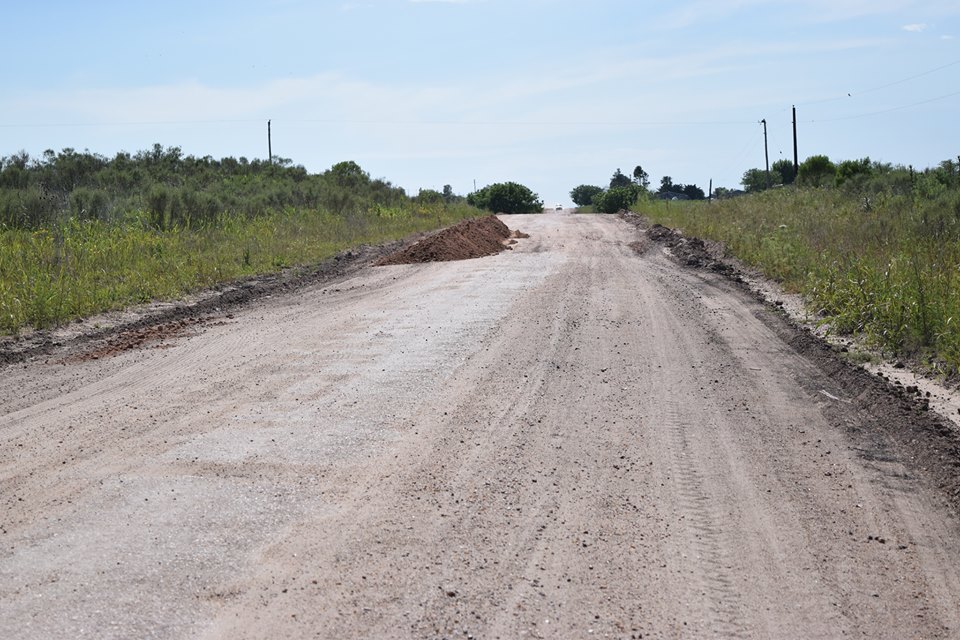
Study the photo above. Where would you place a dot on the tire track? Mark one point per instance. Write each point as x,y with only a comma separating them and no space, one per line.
711,567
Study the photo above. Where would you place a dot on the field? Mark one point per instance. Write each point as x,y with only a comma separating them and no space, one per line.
80,268
82,234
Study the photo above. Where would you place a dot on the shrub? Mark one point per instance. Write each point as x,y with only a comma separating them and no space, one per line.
583,195
816,171
616,199
506,197
429,196
854,172
88,204
28,208
158,199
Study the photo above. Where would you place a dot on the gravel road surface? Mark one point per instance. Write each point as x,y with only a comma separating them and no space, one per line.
567,440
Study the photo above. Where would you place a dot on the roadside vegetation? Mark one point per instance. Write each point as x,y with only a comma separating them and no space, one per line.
874,248
625,190
81,233
506,197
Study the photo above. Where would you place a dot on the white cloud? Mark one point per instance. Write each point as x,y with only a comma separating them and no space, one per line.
915,28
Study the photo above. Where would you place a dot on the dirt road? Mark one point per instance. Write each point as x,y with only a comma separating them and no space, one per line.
567,440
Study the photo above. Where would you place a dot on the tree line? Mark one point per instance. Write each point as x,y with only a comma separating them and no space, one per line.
173,189
862,176
623,191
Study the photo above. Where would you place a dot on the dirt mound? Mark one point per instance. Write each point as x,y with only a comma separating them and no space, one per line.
692,252
473,238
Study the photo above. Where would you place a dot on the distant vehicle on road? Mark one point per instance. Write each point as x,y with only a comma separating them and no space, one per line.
559,207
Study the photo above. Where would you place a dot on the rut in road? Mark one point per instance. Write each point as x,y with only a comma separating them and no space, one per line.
565,440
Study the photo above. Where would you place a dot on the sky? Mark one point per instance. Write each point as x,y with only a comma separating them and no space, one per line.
548,93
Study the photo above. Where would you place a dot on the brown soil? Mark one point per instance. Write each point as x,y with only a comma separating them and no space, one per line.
151,336
473,238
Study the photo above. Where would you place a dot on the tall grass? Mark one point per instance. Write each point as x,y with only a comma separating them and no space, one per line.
78,268
886,267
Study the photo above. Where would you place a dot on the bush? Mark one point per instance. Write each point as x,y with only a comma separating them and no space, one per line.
506,197
158,199
817,171
855,172
583,195
27,208
88,204
616,199
429,196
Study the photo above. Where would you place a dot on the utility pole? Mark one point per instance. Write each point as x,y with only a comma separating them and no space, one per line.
710,192
766,153
269,144
796,162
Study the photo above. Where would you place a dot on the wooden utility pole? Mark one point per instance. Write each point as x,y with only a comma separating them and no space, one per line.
796,162
766,153
710,192
269,144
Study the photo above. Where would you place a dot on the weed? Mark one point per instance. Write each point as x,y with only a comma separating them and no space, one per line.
49,276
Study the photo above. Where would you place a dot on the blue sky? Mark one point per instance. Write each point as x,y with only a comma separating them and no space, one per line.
550,93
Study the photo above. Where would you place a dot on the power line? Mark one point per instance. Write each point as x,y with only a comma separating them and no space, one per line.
453,123
881,112
530,123
882,86
9,125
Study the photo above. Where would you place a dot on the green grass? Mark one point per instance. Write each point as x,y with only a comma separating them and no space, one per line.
77,269
886,268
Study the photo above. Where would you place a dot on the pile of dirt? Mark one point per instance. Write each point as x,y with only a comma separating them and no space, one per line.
692,252
473,238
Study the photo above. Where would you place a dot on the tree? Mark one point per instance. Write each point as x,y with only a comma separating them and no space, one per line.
583,195
754,180
617,198
506,197
448,194
347,174
641,177
666,185
854,171
782,172
619,180
723,192
817,171
694,192
429,196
